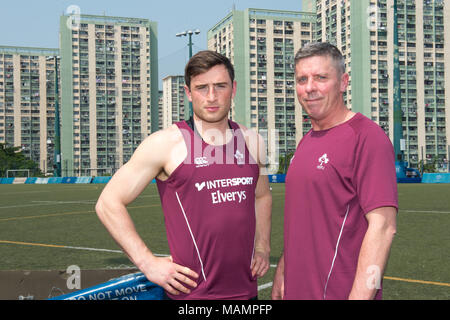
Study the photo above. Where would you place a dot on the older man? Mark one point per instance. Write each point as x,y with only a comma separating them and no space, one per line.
341,192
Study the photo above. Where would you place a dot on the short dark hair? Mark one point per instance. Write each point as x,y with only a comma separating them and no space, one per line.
204,60
321,49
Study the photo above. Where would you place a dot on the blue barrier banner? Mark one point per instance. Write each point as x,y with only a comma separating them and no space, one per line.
409,180
41,181
101,179
277,178
6,180
400,167
83,180
55,180
129,287
69,180
30,181
436,178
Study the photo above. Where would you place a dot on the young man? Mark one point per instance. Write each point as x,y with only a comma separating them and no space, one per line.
216,201
341,192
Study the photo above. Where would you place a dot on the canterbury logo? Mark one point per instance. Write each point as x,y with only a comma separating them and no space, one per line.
201,162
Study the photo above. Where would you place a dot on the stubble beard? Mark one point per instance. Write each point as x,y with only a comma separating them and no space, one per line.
212,119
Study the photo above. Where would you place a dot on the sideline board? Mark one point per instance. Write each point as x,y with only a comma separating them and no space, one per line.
133,286
436,178
6,180
277,178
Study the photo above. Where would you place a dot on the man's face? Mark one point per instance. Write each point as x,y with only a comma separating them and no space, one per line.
211,94
320,86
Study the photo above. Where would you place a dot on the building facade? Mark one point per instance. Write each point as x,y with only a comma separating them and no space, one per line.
261,45
175,102
364,31
109,85
160,109
27,102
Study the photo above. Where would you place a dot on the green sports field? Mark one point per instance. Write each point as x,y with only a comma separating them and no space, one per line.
51,227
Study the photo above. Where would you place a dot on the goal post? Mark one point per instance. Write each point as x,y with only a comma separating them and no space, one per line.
19,173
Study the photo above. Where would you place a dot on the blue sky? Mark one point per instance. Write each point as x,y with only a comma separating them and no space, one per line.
35,23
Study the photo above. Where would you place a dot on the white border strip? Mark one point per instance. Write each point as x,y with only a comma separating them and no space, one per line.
335,252
192,235
265,286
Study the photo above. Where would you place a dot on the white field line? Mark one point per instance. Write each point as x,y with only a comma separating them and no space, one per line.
106,250
48,203
261,287
265,286
423,211
53,202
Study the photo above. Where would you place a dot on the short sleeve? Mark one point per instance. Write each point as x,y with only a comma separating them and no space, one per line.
374,170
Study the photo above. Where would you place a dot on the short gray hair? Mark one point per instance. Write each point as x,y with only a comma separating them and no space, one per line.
321,49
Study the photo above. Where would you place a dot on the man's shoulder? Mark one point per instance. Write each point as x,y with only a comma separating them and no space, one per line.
363,125
368,132
159,148
248,132
255,144
165,138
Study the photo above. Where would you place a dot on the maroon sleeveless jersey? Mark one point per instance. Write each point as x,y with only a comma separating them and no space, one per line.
209,211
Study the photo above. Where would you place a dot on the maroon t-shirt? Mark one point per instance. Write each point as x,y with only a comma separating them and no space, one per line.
209,211
335,178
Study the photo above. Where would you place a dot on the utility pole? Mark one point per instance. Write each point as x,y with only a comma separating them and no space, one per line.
57,122
398,116
189,33
57,138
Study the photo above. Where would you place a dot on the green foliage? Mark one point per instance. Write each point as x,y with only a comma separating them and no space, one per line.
429,167
285,161
11,158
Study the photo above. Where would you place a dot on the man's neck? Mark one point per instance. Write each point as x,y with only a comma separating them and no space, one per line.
338,118
214,133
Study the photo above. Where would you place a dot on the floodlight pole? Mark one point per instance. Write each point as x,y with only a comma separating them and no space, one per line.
398,117
57,138
189,33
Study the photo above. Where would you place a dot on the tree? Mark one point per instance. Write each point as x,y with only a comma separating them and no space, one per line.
11,158
284,162
429,167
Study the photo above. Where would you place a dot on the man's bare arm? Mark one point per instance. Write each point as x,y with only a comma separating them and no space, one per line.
278,281
374,252
263,206
124,187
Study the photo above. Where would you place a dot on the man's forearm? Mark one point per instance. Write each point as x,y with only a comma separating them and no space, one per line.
263,207
117,221
373,257
278,281
164,272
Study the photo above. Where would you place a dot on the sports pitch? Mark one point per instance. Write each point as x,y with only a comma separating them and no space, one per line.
51,227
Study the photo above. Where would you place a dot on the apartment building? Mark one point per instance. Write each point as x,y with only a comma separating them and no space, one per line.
109,85
27,102
364,31
160,109
262,44
175,102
